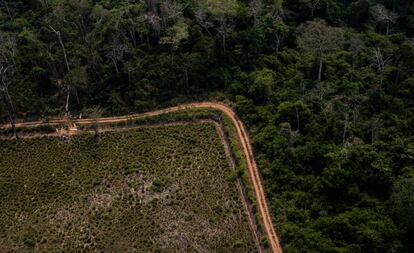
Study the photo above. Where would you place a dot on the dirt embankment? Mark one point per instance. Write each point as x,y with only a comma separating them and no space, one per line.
242,136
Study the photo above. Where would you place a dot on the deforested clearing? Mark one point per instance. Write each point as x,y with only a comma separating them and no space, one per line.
151,189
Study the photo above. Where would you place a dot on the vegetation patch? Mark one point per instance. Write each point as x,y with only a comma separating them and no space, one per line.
148,189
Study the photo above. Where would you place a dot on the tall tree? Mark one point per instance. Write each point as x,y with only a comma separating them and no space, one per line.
117,52
380,62
382,14
8,48
65,57
222,12
256,9
317,38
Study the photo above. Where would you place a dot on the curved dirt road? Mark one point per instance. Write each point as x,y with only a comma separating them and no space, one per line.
242,135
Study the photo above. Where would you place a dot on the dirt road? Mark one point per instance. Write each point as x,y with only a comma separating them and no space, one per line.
244,142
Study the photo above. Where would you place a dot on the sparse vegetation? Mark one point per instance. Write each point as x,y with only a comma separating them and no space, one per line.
141,190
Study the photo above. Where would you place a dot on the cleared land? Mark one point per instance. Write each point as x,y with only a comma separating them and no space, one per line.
239,134
144,190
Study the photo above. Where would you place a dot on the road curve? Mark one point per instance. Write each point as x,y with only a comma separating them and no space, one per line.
242,135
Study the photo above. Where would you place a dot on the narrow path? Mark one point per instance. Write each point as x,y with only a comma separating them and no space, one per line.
242,136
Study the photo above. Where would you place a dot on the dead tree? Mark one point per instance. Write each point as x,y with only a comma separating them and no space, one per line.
8,49
117,52
256,9
223,30
155,22
382,14
380,62
203,20
8,42
170,11
65,56
281,31
4,89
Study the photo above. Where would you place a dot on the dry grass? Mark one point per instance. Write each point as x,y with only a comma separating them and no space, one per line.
160,189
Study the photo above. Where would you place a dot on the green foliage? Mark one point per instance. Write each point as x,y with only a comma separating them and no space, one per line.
262,85
325,87
401,204
220,8
176,34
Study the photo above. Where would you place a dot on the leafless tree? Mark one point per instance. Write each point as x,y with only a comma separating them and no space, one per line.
348,105
117,52
317,38
154,21
8,48
223,30
65,56
171,10
256,9
281,31
382,14
380,62
4,89
203,20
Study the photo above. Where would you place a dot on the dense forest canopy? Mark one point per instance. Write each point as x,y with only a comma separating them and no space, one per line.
325,86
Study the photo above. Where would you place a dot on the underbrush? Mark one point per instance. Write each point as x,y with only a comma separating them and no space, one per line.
45,129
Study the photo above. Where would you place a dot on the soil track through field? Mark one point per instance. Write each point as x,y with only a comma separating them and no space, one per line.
242,136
